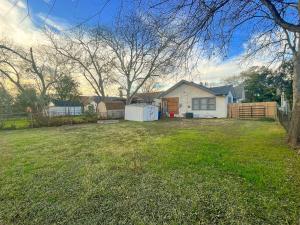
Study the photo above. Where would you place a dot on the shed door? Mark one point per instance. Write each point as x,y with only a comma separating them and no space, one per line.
171,105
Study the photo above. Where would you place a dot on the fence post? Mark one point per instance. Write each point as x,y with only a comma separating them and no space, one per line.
31,120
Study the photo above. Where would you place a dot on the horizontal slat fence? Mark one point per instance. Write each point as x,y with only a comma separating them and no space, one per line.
253,110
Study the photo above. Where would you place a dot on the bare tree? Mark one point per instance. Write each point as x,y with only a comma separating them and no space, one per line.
151,85
41,68
274,23
143,49
87,51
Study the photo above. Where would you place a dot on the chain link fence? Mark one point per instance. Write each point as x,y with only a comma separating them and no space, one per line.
32,120
284,118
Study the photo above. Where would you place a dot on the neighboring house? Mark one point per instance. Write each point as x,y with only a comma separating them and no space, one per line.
148,98
111,109
91,102
62,108
202,101
239,93
284,103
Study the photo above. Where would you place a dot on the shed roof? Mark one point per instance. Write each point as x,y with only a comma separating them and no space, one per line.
114,105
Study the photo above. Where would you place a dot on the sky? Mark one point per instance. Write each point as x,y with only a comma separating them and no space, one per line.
63,15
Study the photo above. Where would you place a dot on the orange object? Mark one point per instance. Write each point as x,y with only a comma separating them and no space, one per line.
172,114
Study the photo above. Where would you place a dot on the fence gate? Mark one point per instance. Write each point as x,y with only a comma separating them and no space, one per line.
247,112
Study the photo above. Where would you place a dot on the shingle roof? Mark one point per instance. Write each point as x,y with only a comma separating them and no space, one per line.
187,83
222,90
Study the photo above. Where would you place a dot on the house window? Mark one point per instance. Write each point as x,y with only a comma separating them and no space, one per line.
203,103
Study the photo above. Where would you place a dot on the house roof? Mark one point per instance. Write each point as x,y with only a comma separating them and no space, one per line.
114,105
85,100
222,90
146,97
63,103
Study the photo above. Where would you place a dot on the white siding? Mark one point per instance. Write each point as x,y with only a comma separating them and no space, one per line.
137,112
187,92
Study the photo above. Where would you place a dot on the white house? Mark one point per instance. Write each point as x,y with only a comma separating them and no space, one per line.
203,102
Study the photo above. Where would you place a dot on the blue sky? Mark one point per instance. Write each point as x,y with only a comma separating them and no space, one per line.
76,11
72,12
68,13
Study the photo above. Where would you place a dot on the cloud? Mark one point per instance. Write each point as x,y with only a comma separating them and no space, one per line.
21,4
16,25
24,29
20,28
47,1
212,71
53,22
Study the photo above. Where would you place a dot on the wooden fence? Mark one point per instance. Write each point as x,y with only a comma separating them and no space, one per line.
254,110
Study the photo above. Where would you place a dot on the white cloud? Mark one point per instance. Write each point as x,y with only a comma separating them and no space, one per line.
53,22
21,4
47,1
24,32
16,25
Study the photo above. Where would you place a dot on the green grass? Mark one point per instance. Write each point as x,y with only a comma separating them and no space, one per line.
23,123
175,172
17,123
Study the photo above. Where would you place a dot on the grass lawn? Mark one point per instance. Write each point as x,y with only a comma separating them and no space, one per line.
16,123
178,172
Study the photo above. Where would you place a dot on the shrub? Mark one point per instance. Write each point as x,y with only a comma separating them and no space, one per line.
40,121
1,124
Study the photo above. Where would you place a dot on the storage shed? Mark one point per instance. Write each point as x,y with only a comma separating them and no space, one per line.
111,109
63,108
141,112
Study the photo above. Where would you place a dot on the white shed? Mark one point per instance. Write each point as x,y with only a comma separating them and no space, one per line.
141,112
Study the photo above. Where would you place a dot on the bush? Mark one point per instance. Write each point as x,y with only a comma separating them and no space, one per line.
1,124
40,121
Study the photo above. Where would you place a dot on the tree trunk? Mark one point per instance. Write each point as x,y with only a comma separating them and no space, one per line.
294,129
128,100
